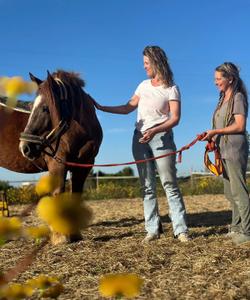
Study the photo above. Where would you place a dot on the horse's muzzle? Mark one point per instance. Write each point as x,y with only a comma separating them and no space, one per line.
29,150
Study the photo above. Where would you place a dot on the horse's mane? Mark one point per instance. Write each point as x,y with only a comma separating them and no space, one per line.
78,101
70,78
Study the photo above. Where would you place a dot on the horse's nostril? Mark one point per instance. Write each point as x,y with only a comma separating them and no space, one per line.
26,150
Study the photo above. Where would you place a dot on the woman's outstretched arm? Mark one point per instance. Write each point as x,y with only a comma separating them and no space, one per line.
130,106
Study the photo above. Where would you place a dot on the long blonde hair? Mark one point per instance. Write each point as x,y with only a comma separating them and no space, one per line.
159,63
231,72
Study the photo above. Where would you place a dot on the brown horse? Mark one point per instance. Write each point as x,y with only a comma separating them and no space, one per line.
12,123
62,125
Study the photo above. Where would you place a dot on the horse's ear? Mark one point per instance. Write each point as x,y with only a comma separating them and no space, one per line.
35,79
50,79
53,84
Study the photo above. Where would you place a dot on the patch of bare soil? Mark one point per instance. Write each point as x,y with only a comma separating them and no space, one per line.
207,267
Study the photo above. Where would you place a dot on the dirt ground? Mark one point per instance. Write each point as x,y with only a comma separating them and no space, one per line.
207,267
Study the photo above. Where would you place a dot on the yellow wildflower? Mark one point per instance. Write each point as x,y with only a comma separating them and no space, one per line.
42,282
11,102
14,86
3,82
47,209
47,184
65,213
16,291
118,285
53,291
9,227
37,232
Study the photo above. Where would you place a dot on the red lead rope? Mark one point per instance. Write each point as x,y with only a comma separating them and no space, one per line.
198,138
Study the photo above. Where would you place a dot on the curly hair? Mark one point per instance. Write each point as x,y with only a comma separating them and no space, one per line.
159,63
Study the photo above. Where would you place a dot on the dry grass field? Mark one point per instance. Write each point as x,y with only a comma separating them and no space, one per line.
208,267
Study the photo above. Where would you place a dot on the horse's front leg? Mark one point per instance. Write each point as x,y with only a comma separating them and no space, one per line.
86,155
58,171
78,177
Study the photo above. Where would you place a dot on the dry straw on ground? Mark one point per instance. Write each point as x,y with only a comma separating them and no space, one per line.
208,267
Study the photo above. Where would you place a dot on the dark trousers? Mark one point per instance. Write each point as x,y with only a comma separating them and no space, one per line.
235,189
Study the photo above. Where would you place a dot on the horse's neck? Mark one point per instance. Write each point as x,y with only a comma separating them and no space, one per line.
86,117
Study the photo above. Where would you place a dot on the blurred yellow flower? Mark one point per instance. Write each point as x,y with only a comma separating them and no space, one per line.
9,227
120,285
65,213
3,82
11,102
37,232
16,291
42,282
14,86
53,291
47,184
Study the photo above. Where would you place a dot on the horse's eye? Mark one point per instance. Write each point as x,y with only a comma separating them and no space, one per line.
45,109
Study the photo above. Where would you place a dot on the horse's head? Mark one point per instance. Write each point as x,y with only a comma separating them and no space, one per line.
49,118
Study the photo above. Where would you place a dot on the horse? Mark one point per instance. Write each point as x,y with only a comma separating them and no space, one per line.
12,123
62,126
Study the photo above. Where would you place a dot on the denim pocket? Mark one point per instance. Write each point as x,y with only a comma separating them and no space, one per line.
163,141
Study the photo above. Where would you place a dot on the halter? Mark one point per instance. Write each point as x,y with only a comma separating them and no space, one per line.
56,133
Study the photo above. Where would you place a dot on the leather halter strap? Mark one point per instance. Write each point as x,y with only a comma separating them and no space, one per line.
56,133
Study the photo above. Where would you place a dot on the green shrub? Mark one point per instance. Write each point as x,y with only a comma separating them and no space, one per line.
22,195
108,190
125,188
130,188
202,185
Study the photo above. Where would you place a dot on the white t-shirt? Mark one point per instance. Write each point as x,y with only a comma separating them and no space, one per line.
153,106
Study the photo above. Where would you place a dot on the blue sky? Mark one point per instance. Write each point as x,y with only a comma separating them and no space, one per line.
103,41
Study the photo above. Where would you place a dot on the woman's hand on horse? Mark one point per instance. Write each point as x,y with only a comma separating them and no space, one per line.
97,105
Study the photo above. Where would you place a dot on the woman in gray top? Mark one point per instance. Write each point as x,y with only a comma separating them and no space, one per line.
229,133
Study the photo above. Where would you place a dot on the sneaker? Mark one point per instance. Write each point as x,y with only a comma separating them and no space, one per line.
150,237
241,238
183,237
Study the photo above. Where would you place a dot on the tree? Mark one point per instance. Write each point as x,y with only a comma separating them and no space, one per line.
127,171
4,185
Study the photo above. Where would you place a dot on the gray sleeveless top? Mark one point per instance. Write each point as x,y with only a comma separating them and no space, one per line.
235,146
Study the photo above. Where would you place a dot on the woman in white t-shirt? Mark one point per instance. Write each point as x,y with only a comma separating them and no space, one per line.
158,102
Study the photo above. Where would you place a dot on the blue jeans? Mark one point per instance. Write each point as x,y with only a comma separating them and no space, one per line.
162,143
